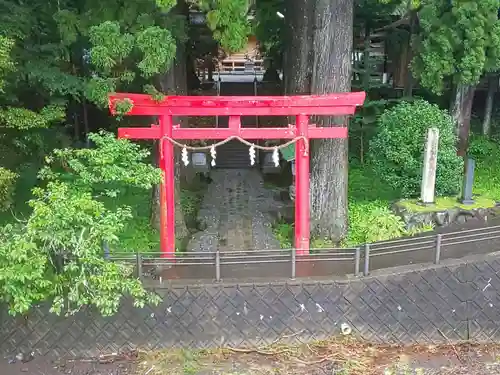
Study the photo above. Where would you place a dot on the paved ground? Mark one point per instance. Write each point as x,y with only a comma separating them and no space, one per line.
234,212
235,209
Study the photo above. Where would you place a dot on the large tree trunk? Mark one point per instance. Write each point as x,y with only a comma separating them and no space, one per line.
298,61
193,82
174,82
488,109
461,108
332,47
410,81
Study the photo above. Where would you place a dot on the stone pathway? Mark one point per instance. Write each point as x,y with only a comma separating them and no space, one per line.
235,213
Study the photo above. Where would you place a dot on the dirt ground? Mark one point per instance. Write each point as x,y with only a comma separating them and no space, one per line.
318,358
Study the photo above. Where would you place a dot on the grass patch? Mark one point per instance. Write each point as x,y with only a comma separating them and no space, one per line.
276,359
140,235
486,152
284,233
191,198
446,203
345,356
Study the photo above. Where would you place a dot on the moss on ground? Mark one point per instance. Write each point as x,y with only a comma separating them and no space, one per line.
446,203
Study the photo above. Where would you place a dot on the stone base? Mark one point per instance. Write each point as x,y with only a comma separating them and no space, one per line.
445,217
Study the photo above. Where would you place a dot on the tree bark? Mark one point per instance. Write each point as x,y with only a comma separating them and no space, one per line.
333,40
461,108
174,82
298,61
409,81
488,109
193,82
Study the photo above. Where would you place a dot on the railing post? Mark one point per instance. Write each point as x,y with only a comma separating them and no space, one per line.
294,262
105,247
437,257
366,270
357,259
217,265
138,260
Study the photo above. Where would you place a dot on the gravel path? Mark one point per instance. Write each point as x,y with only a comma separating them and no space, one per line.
235,213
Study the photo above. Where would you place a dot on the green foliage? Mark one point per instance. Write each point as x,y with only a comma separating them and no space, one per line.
363,125
158,48
165,5
482,148
24,119
228,21
370,218
372,221
486,152
397,150
109,45
7,182
55,82
155,94
57,253
284,234
270,29
107,170
144,42
98,88
138,234
122,107
6,63
458,40
190,202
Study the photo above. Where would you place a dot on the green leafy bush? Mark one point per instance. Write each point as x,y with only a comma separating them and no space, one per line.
486,152
396,152
483,148
370,218
57,253
372,221
284,234
7,181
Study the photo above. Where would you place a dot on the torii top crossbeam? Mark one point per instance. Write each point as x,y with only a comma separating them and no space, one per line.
302,107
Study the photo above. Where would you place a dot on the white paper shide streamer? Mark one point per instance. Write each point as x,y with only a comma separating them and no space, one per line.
213,154
185,156
276,157
251,152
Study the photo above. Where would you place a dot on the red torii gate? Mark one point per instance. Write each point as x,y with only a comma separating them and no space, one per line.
236,106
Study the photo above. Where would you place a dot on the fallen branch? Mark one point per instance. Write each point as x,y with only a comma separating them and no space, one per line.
450,344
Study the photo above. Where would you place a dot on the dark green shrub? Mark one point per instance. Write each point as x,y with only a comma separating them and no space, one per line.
483,149
397,149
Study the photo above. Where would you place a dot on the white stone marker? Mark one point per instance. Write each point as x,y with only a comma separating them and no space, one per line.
430,165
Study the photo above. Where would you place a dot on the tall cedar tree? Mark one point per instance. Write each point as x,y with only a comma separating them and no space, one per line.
318,61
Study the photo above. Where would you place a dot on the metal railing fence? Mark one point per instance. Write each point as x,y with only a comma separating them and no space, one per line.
358,259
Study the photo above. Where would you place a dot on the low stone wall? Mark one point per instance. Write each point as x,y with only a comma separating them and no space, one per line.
444,218
425,305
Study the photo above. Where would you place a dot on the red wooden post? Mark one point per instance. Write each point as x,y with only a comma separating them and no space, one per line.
167,189
302,199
